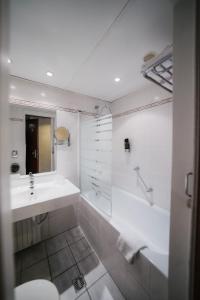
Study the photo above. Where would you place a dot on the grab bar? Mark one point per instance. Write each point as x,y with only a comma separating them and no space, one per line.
148,189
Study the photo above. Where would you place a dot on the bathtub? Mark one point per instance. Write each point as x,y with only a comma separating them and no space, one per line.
131,214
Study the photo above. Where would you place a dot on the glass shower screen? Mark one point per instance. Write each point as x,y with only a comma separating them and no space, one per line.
96,161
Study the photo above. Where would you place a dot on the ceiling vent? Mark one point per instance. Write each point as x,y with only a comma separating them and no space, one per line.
159,69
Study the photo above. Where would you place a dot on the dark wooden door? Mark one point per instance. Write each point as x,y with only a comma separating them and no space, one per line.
32,161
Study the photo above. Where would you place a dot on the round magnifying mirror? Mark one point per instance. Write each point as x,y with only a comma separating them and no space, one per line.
62,134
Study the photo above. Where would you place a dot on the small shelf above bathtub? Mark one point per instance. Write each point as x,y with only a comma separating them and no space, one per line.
50,193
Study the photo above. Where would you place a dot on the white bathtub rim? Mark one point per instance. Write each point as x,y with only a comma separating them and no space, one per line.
145,202
158,257
119,223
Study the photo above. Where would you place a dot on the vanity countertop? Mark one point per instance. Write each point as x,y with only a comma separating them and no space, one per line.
50,192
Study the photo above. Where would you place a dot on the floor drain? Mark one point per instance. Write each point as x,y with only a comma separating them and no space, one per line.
79,283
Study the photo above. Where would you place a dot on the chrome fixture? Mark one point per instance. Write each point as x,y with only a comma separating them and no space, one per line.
62,136
40,218
147,188
31,177
159,69
14,154
105,110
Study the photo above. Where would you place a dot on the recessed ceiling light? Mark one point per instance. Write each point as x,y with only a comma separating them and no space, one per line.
50,74
43,94
117,79
9,61
13,87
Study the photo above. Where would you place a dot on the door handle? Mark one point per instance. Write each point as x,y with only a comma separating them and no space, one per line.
34,153
187,184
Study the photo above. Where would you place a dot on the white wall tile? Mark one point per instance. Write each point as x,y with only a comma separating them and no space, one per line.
150,135
158,285
67,157
146,95
31,91
133,280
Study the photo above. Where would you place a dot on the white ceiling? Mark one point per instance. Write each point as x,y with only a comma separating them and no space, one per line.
87,43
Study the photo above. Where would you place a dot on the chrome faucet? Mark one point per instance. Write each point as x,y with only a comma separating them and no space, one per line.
31,177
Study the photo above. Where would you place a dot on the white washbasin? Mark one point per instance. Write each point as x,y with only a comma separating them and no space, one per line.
50,193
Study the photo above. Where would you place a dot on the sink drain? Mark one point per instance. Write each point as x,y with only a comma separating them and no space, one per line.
79,283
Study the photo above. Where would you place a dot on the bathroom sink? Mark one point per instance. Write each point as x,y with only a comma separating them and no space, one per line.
53,193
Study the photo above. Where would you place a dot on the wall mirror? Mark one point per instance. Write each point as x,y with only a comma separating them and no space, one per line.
31,139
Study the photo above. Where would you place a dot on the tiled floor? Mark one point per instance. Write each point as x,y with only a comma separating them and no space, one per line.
62,259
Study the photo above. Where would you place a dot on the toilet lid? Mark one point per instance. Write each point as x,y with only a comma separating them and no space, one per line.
39,289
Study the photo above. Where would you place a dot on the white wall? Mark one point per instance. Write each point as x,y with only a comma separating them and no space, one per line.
150,134
31,91
67,157
147,95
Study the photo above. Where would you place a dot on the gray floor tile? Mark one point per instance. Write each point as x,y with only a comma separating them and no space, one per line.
74,235
33,255
64,281
105,289
55,244
91,268
81,249
61,261
84,296
34,265
37,271
70,294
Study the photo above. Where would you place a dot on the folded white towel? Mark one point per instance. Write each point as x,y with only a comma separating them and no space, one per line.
130,246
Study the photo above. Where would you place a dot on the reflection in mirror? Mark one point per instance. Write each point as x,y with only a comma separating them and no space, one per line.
38,144
32,147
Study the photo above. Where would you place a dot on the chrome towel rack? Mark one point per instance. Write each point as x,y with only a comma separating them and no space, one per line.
160,69
147,188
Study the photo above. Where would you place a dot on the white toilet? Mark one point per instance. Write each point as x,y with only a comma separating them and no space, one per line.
39,289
